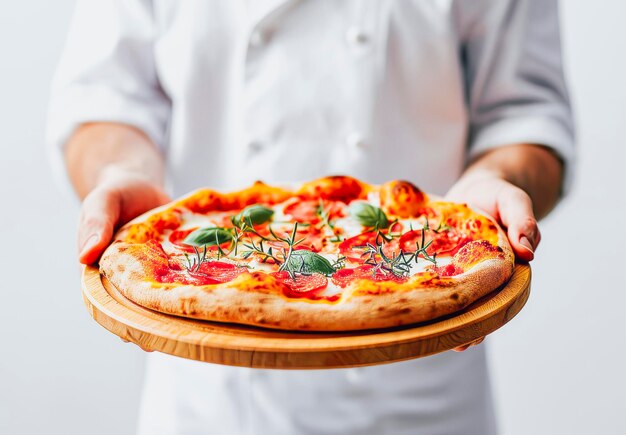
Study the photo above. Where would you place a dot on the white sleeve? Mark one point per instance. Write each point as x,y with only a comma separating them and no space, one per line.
514,77
107,73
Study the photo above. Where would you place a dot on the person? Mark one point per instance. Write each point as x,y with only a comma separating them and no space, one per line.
156,98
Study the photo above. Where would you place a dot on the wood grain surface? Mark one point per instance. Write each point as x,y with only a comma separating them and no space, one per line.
247,346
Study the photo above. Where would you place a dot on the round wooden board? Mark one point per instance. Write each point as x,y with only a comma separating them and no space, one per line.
247,346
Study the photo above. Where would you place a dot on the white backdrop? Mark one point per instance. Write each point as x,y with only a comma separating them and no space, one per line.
558,367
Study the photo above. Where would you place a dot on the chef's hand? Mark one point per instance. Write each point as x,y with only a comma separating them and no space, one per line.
118,198
117,171
509,205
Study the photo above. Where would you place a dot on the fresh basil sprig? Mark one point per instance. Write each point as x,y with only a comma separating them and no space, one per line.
307,262
253,214
368,215
213,236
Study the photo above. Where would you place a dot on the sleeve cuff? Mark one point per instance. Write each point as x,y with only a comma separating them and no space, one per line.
80,104
535,130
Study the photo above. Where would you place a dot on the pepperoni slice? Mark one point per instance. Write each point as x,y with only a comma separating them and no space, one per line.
218,271
303,286
211,272
442,243
344,277
314,238
176,238
307,210
354,247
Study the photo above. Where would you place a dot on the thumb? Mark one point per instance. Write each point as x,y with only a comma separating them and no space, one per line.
516,214
99,215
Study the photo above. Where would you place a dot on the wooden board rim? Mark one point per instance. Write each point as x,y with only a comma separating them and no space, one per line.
238,345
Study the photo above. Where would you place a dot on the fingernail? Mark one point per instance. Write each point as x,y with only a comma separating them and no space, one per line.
526,244
89,243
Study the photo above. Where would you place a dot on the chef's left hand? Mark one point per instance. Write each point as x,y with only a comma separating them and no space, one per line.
509,205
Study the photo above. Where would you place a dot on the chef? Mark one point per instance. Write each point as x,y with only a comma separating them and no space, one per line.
464,98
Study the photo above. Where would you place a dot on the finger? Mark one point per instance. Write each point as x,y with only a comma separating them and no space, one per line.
516,214
468,345
99,215
139,199
145,349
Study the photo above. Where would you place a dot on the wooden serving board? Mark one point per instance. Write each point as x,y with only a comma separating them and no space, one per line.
247,346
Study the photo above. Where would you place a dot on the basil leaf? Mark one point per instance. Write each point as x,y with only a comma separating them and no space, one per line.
368,215
303,261
208,237
255,214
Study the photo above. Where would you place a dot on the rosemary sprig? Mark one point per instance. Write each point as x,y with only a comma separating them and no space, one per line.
442,227
422,249
398,264
339,263
259,249
193,264
291,243
269,253
324,215
384,234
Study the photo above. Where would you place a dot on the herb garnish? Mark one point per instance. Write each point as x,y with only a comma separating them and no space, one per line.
254,214
398,264
369,215
212,236
440,227
374,217
203,237
266,254
324,215
291,260
307,262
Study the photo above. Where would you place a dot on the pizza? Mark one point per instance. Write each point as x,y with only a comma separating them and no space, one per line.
327,255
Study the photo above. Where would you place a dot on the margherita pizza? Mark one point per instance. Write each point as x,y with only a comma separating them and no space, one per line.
331,254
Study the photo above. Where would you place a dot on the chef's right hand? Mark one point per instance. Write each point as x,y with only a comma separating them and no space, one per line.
119,197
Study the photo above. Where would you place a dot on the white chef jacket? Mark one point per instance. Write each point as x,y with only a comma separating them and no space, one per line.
283,90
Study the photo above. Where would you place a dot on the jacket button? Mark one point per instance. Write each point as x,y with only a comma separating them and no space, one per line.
356,140
356,36
255,145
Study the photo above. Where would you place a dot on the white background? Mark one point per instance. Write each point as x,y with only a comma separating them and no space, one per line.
558,367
